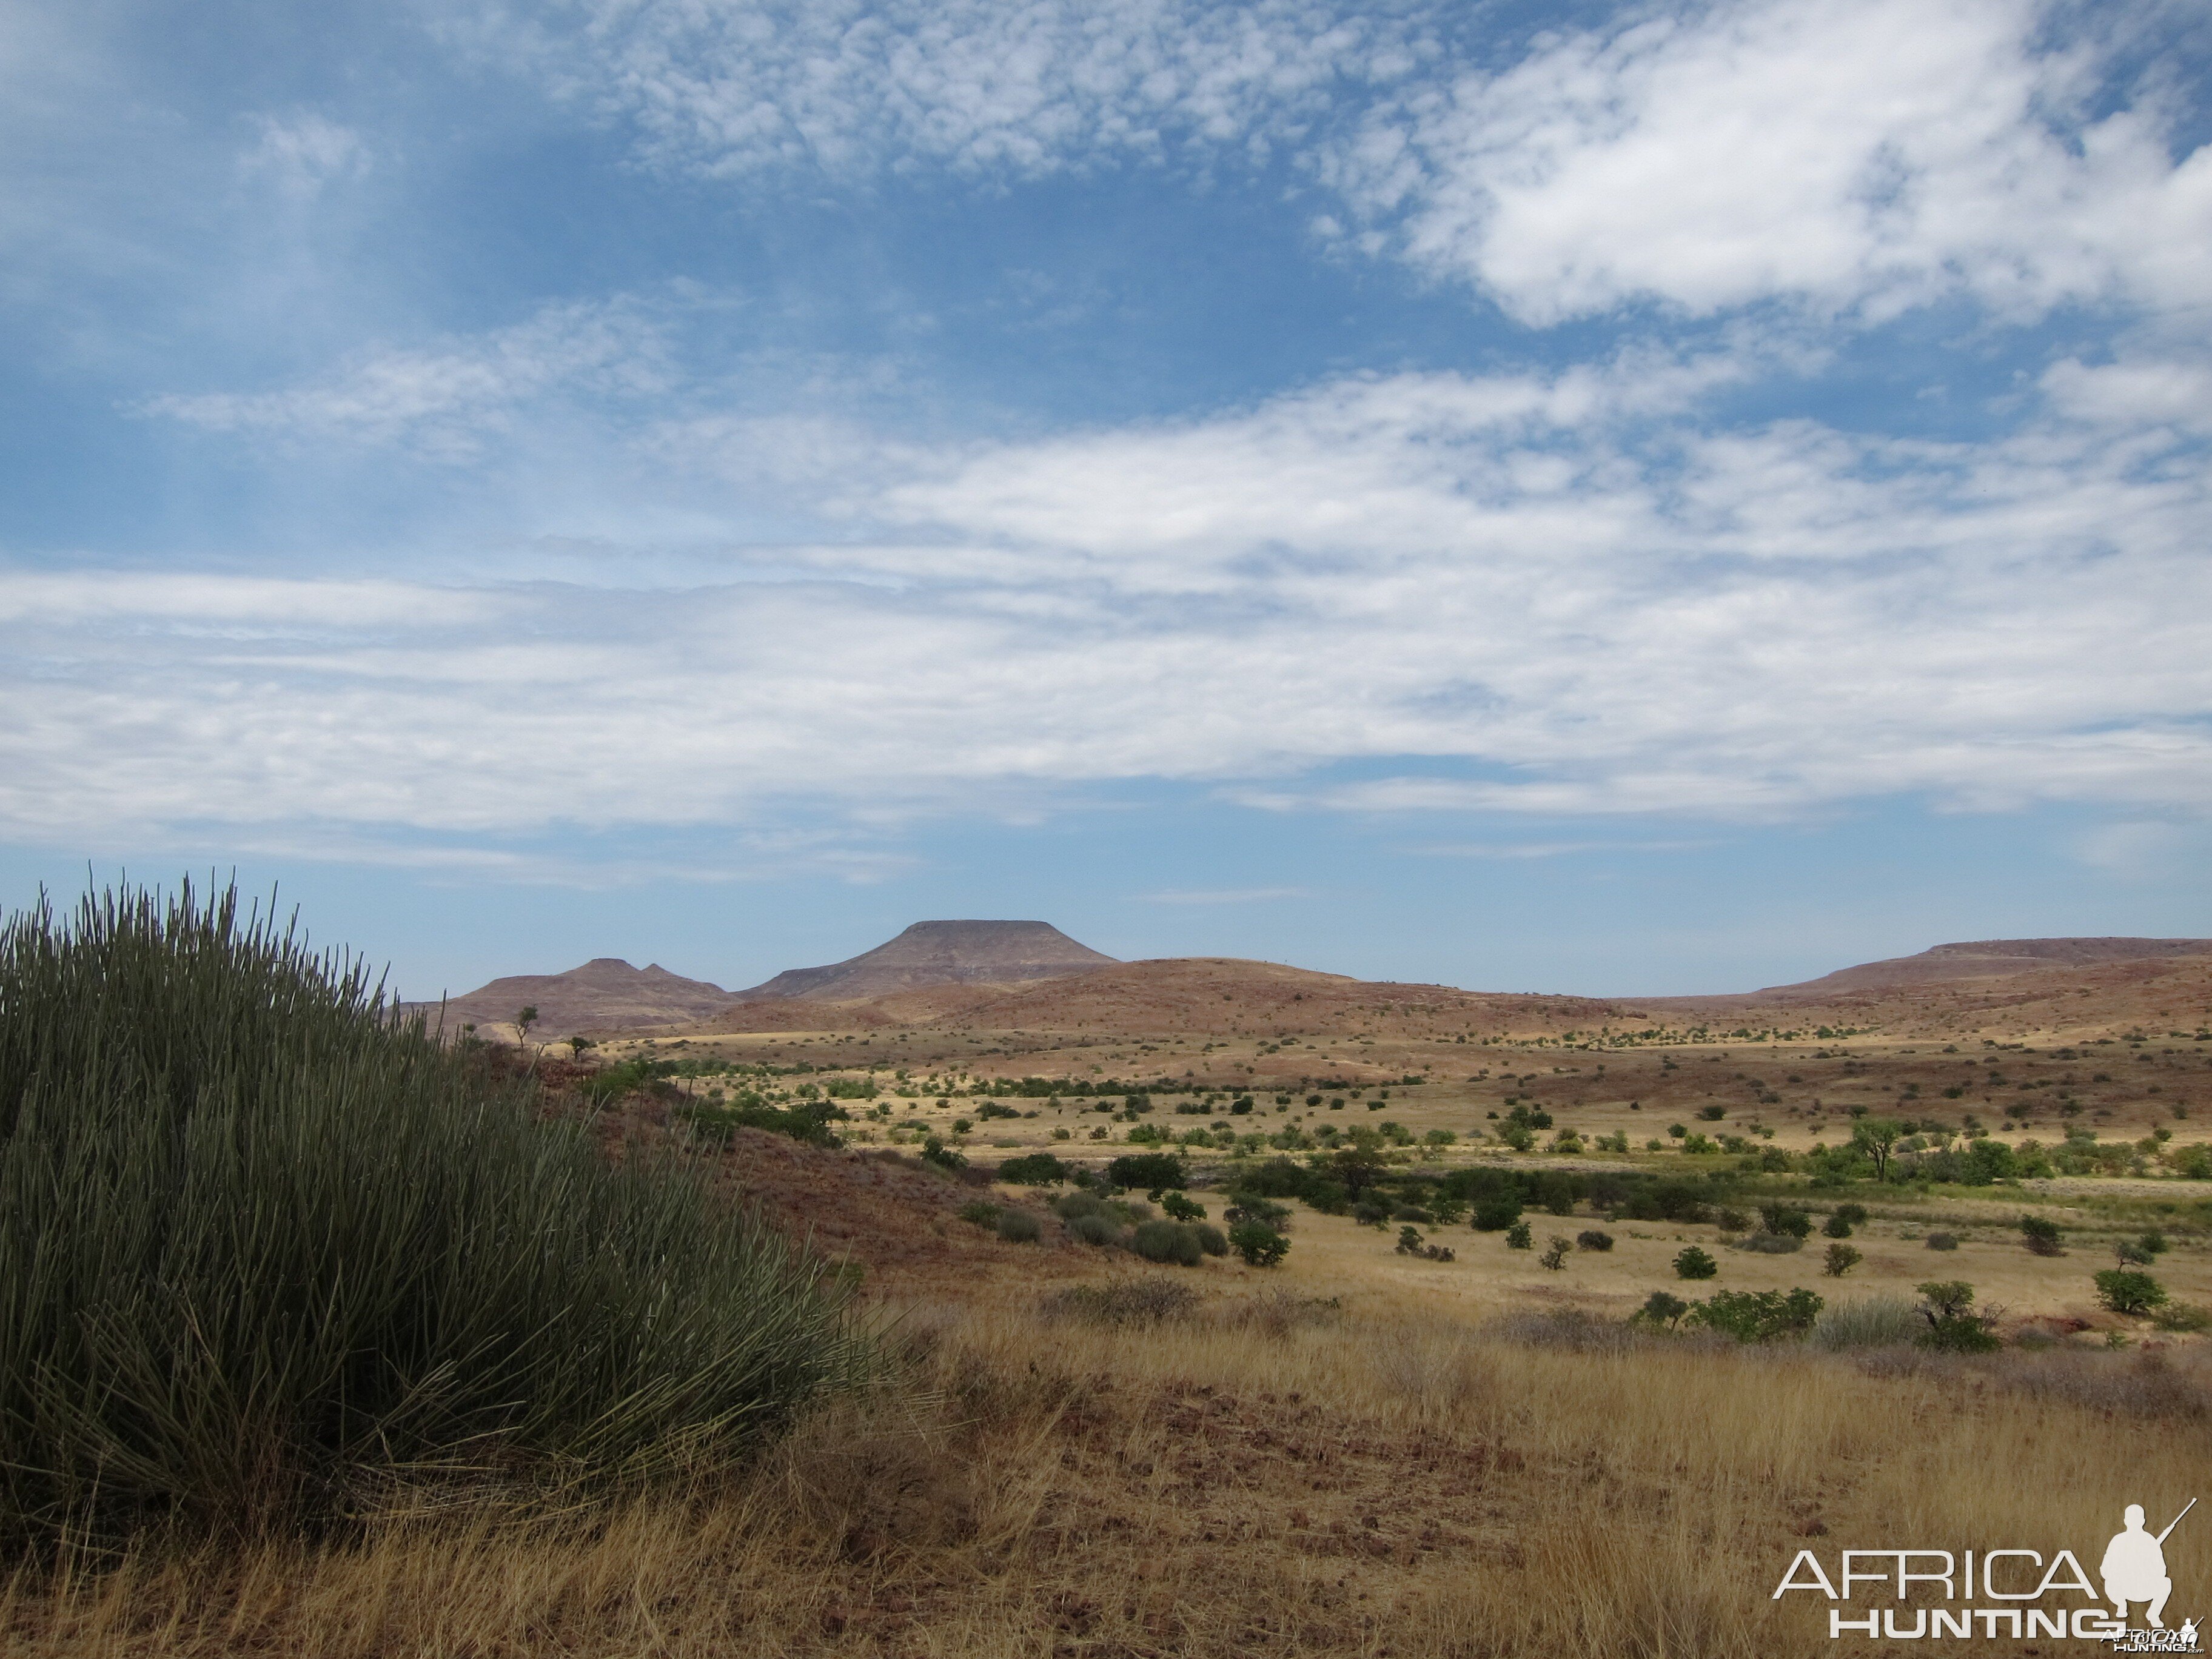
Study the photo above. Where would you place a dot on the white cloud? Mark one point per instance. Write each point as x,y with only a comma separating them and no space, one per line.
446,399
299,154
734,86
1567,594
1849,157
1846,154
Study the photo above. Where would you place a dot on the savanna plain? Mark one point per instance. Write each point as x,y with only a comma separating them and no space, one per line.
1197,1307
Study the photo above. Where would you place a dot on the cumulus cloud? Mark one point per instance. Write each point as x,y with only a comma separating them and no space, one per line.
1849,156
446,399
1565,594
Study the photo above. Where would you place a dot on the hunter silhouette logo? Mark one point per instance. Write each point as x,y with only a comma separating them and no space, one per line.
2026,1590
2134,1568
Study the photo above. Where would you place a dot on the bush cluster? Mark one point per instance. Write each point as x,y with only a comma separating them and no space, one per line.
262,1245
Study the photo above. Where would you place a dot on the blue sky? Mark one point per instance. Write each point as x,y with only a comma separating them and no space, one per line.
1641,499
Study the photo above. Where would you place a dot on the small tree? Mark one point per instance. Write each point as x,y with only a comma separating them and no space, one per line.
578,1044
2041,1235
523,1021
1877,1138
1663,1308
1260,1244
1517,1237
1555,1253
1148,1171
1841,1259
1182,1208
1836,1227
2125,1291
1691,1263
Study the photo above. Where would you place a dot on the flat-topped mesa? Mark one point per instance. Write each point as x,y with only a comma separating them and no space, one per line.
941,953
1990,959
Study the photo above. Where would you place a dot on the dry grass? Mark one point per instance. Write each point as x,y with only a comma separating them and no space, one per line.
1262,1476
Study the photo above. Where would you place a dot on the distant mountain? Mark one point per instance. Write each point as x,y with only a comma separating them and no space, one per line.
1989,958
605,994
940,953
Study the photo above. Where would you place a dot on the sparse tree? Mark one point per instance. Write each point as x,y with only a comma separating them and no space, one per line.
1877,1138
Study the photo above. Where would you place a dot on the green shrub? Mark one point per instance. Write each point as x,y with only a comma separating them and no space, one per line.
1495,1214
1555,1253
1166,1241
1941,1241
1518,1237
2127,1291
1033,1169
1210,1239
262,1246
1840,1260
1852,1215
1836,1227
1765,1243
1758,1316
934,1150
980,1212
2181,1317
2152,1243
806,1120
1593,1239
1019,1227
1180,1208
2041,1235
1786,1220
1691,1263
1730,1221
1946,1309
1260,1244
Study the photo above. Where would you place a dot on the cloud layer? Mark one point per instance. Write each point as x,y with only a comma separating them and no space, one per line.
1572,593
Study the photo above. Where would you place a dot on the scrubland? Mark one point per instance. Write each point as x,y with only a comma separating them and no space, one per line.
962,1443
1257,1474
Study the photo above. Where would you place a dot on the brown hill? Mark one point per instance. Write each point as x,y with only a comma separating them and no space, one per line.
2075,987
606,994
1986,960
940,953
1185,996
